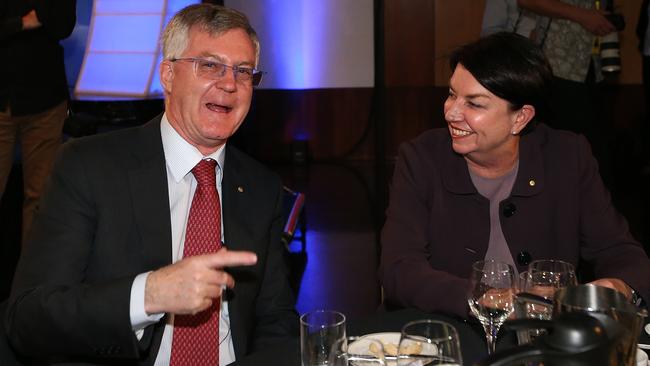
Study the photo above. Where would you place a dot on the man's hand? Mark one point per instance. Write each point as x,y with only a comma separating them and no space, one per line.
595,22
191,285
616,284
30,21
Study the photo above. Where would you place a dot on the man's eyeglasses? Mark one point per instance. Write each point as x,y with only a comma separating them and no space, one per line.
214,70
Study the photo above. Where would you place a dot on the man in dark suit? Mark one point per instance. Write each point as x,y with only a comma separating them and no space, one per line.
106,276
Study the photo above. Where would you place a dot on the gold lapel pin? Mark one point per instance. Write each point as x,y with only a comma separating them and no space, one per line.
240,189
532,182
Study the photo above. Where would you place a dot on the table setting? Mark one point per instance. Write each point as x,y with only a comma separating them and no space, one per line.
542,316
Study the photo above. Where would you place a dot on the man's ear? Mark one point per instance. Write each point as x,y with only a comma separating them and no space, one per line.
166,76
525,114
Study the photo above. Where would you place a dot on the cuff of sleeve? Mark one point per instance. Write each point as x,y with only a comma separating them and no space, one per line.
139,317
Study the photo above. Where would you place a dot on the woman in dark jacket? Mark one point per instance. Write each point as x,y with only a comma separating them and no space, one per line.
495,184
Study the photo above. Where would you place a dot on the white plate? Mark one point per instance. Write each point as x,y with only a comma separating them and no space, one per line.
647,328
390,341
386,338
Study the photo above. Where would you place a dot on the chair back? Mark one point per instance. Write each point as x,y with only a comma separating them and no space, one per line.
293,206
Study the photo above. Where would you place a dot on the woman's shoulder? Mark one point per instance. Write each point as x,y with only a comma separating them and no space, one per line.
560,149
554,139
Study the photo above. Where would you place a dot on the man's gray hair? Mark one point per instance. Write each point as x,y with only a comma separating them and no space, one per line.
214,19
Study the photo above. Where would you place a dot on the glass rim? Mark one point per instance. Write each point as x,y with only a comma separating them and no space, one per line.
429,321
303,318
559,261
499,266
551,266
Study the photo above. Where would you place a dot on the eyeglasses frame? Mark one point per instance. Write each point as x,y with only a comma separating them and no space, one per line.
256,79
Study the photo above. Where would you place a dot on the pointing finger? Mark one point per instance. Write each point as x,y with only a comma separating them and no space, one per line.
230,258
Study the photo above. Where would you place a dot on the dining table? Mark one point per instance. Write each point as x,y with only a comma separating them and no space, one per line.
472,337
470,332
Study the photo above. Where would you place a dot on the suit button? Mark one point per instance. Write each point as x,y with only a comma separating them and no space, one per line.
524,258
509,209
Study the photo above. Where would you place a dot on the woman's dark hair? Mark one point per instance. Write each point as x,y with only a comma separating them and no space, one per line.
511,67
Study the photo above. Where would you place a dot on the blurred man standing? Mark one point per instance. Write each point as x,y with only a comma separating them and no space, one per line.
33,90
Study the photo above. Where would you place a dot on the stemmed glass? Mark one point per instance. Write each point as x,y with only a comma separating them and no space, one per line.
429,342
491,296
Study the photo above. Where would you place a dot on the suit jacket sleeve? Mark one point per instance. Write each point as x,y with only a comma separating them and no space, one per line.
58,17
274,308
53,309
407,276
606,242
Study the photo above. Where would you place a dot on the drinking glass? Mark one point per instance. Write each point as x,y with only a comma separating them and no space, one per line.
546,276
357,351
543,278
491,296
320,331
429,342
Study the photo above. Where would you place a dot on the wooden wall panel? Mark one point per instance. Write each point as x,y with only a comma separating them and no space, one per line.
409,42
332,120
456,22
411,111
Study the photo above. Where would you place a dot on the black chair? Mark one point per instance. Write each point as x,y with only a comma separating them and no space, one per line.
294,203
294,213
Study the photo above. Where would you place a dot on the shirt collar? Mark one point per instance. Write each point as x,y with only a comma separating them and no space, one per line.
180,155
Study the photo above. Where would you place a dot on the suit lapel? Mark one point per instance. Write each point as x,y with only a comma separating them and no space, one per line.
150,197
234,187
236,208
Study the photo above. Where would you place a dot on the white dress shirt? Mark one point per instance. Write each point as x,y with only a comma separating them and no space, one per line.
180,157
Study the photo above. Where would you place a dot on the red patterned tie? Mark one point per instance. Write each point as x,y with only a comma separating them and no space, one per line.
196,337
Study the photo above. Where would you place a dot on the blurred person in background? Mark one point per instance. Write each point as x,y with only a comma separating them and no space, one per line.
506,16
569,31
33,90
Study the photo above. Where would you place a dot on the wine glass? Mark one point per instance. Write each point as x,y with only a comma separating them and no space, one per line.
491,296
429,342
